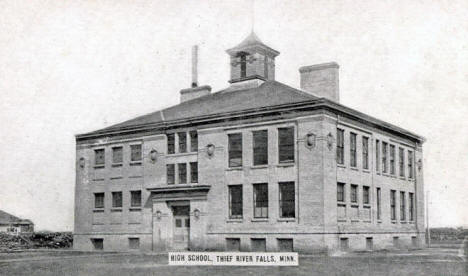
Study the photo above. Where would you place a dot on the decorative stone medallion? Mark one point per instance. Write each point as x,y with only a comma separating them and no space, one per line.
153,155
210,149
330,141
81,162
310,140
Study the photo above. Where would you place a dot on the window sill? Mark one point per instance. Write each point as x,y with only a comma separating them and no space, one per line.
367,206
341,203
181,154
411,222
116,210
341,166
134,209
394,221
116,177
98,179
354,168
135,176
234,220
134,223
286,219
117,165
378,173
379,221
116,223
355,220
98,223
234,168
342,220
135,163
285,164
259,220
259,167
99,166
402,178
367,221
403,222
365,170
354,204
98,210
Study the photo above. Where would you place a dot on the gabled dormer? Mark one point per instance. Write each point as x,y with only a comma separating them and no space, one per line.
252,59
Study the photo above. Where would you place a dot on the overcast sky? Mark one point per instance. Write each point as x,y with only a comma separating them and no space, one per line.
68,67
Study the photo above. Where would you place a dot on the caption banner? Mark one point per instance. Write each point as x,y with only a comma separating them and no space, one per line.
234,258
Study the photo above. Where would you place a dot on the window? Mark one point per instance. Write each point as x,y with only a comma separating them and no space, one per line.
193,141
193,172
401,155
354,195
365,195
402,206
411,206
369,243
99,157
258,245
133,243
344,244
170,143
135,198
352,149
396,242
232,244
260,200
182,141
235,202
287,200
340,193
260,147
384,157
182,173
365,153
99,200
392,205
392,159
235,149
117,156
414,242
135,153
243,65
98,244
377,155
116,199
340,146
410,164
285,245
170,171
286,144
379,204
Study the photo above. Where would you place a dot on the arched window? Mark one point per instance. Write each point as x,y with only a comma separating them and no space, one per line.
243,64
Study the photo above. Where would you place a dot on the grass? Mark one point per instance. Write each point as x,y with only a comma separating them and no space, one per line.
427,262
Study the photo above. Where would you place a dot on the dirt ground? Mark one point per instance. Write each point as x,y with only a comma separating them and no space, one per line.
431,261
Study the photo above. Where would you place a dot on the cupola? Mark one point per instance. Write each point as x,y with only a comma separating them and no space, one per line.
252,59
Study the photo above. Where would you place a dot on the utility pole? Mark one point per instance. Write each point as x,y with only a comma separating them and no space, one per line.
428,229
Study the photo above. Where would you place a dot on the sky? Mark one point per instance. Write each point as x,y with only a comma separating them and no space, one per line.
69,67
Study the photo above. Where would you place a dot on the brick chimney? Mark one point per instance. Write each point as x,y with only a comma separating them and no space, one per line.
321,80
195,91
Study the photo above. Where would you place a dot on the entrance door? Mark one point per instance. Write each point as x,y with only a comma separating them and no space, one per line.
181,227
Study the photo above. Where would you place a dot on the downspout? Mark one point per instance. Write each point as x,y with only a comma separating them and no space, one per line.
297,171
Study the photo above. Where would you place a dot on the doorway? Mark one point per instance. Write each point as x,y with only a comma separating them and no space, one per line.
181,227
